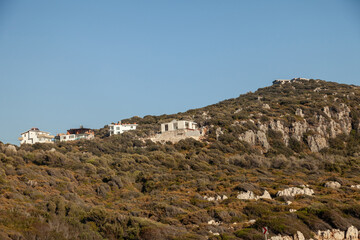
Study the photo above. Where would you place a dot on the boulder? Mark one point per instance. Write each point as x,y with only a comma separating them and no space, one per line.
213,222
299,236
265,106
332,184
266,195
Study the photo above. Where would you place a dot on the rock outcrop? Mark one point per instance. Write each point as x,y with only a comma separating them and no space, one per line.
255,138
217,198
331,123
352,233
317,142
213,222
293,191
249,195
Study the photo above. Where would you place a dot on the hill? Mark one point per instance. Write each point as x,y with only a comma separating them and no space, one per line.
301,136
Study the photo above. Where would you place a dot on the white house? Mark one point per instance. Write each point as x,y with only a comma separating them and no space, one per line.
76,134
34,135
178,125
119,128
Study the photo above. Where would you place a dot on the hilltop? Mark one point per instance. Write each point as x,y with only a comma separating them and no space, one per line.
295,142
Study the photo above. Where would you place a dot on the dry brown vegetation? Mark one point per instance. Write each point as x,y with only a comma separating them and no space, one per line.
121,187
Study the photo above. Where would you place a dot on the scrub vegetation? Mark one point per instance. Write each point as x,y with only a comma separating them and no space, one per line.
128,187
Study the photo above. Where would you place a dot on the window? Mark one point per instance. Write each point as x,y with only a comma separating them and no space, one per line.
166,127
175,126
117,128
186,124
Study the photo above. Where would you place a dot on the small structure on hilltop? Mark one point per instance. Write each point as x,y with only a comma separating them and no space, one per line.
34,135
178,125
283,81
119,128
175,131
76,134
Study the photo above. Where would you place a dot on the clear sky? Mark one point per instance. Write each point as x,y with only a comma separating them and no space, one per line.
66,63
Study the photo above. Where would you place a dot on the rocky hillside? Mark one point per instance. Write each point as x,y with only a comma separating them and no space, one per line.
286,157
300,116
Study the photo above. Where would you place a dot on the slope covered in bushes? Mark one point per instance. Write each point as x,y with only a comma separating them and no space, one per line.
127,187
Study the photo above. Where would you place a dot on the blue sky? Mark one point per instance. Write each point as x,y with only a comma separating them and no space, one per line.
66,63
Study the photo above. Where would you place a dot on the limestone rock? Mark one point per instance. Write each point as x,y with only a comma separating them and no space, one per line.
249,137
326,110
251,221
249,195
214,233
332,184
218,132
261,137
265,106
210,199
279,237
317,142
278,126
213,222
333,234
299,112
217,198
299,236
258,138
298,129
238,110
293,191
266,195
352,233
344,116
